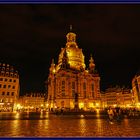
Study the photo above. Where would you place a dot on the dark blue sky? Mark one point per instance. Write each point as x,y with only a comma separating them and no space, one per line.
31,35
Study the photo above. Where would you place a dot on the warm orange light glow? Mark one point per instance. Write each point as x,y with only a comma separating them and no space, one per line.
17,115
72,76
91,105
54,71
97,104
18,105
47,105
128,105
82,116
81,105
114,105
98,112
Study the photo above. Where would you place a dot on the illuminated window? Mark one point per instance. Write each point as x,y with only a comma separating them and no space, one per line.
6,100
7,74
84,89
63,88
2,73
73,88
62,103
84,86
92,89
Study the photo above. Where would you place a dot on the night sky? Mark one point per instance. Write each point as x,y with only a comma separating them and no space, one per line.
31,35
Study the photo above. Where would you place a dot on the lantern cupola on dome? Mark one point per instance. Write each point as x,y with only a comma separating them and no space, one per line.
74,54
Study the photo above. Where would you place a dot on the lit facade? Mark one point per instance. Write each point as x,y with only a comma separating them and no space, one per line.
70,84
31,102
136,89
9,87
117,96
103,100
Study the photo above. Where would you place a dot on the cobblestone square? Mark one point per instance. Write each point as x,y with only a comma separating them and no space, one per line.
67,126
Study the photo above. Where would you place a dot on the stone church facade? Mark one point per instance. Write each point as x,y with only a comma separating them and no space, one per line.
70,84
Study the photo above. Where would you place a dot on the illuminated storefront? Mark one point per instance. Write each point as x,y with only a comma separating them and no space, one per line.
32,102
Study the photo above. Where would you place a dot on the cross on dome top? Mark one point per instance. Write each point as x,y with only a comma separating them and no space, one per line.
70,27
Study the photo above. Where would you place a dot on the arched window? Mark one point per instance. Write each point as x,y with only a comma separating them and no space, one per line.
63,88
84,89
92,89
73,89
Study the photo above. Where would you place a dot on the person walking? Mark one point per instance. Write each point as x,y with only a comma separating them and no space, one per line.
110,115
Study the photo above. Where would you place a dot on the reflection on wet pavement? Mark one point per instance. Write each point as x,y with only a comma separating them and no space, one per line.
47,125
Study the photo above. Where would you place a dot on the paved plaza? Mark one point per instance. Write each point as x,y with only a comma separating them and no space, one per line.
66,126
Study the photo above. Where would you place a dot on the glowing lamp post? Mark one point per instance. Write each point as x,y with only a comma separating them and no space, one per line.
18,107
138,105
97,105
47,105
81,105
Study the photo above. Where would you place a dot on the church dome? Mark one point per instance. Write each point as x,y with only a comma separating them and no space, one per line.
74,54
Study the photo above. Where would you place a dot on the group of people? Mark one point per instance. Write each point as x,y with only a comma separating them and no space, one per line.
114,114
120,113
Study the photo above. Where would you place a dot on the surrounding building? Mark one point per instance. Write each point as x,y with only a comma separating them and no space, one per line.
136,89
103,100
70,84
31,102
9,87
117,96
